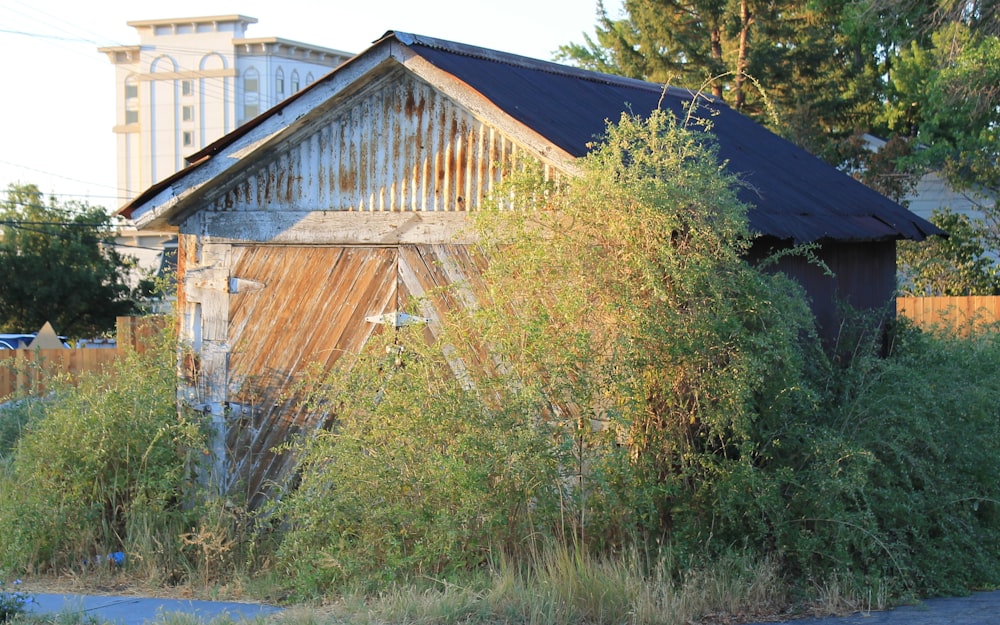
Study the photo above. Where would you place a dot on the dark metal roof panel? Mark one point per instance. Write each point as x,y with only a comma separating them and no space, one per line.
795,195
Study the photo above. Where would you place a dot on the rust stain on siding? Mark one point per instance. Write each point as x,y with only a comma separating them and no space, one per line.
404,147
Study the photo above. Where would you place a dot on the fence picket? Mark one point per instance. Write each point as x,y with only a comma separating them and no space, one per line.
26,370
957,312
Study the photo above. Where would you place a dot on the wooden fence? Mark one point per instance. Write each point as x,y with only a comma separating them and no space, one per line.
960,313
26,370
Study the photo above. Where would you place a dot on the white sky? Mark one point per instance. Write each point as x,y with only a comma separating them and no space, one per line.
58,102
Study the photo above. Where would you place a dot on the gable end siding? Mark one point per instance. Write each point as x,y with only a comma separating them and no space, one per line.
401,146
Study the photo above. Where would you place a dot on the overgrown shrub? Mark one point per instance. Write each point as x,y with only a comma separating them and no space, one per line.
635,304
928,419
14,416
619,300
106,465
416,474
627,383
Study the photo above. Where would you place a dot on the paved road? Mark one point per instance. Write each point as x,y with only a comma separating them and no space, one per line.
977,609
139,610
981,608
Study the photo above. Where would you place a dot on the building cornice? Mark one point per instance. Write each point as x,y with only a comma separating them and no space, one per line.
187,21
122,54
188,74
293,49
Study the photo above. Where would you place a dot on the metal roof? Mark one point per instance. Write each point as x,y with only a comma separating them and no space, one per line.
794,195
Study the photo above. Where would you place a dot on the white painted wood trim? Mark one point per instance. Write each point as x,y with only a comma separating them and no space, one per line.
335,227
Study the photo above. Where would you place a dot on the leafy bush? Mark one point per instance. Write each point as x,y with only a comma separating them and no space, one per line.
890,485
106,466
928,419
635,303
416,474
14,416
618,299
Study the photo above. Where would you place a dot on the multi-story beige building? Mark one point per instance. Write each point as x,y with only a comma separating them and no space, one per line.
189,81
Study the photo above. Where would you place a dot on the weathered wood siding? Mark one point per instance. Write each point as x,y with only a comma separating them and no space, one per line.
295,308
401,147
357,214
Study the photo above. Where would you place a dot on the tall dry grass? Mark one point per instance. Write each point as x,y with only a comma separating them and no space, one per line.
566,586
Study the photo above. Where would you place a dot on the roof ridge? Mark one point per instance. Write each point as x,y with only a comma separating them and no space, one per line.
412,39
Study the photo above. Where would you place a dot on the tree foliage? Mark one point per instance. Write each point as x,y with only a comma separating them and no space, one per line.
58,264
793,56
946,95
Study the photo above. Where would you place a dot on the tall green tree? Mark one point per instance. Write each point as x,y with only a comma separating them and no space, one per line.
945,94
831,70
944,98
922,74
58,264
784,58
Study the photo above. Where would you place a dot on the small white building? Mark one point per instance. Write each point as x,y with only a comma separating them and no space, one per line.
190,81
933,193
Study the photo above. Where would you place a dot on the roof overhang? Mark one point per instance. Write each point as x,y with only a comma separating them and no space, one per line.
166,204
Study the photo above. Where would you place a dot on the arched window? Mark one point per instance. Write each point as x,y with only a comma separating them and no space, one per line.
251,93
295,81
279,85
251,81
309,78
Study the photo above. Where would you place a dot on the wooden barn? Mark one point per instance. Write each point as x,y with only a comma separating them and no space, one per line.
334,208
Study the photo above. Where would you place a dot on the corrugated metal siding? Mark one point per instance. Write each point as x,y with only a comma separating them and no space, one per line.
305,305
401,147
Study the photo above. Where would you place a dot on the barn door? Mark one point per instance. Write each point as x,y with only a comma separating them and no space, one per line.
291,308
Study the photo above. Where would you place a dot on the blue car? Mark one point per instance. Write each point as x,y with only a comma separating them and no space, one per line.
15,341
